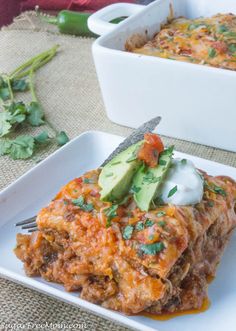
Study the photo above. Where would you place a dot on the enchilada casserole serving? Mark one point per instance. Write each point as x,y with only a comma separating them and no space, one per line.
208,41
130,254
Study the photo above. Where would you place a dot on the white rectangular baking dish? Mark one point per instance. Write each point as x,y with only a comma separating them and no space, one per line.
197,103
28,194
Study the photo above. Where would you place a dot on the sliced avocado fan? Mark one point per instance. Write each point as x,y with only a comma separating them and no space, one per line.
147,181
116,177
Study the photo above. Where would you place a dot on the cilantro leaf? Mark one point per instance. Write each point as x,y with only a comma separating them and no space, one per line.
42,138
111,213
4,93
36,115
168,151
149,223
127,234
81,203
135,189
152,249
161,223
173,191
161,213
232,48
5,145
211,52
151,178
19,85
5,125
139,226
22,147
62,138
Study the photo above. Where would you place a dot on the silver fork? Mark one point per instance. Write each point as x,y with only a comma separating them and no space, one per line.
28,224
137,135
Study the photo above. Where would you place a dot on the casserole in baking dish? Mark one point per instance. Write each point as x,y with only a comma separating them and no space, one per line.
208,41
197,102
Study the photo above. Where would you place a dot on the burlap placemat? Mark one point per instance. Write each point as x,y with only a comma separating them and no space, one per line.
68,89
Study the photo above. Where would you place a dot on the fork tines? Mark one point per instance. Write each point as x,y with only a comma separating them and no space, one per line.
27,221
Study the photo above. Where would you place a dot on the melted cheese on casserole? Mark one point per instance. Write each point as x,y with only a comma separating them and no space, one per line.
209,41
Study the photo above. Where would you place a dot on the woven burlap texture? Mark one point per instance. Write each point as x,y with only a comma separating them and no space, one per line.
69,92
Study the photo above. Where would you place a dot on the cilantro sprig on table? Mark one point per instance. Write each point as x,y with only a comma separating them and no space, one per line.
17,114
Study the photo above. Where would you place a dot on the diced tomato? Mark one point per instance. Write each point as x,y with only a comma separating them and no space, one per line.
150,150
220,46
154,140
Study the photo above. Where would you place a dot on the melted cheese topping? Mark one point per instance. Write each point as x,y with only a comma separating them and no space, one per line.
209,41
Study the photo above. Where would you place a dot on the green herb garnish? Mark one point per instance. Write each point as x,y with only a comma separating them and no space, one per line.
150,178
183,161
17,114
88,181
210,203
115,162
172,191
111,213
162,162
161,223
127,233
161,213
149,223
152,249
135,189
168,151
139,226
222,28
62,138
215,189
82,205
151,237
211,52
232,48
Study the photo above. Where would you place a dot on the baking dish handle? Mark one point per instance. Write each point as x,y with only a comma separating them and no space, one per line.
99,22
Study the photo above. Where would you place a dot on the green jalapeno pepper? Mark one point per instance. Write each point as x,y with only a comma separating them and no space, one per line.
75,23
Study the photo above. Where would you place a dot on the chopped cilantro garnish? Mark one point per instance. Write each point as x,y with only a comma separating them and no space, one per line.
232,48
115,162
162,162
152,249
215,189
222,28
128,230
211,52
135,189
151,237
168,151
161,223
139,226
184,161
210,203
161,213
88,181
150,178
131,158
84,206
111,213
173,191
149,223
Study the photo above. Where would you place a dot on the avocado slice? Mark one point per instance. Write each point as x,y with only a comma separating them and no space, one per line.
147,181
116,177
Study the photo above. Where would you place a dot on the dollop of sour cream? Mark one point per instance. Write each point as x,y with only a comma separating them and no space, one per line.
183,184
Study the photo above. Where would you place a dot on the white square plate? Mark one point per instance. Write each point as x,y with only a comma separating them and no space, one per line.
38,186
